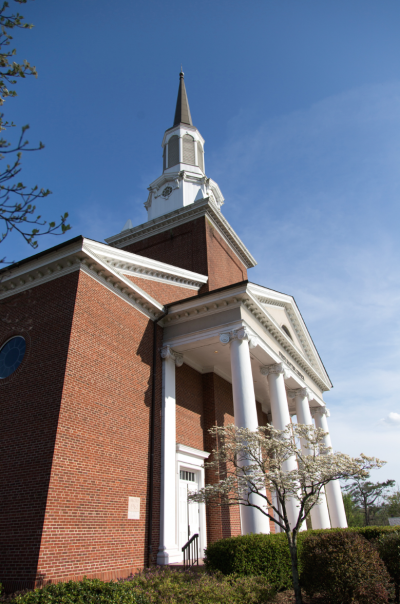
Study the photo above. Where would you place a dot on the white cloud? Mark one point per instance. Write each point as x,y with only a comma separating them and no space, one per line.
393,419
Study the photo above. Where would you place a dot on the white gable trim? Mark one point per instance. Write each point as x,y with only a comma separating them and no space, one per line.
203,207
70,258
126,263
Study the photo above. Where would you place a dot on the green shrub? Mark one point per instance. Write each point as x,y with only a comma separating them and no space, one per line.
155,586
91,591
343,568
268,555
169,586
373,532
389,550
261,555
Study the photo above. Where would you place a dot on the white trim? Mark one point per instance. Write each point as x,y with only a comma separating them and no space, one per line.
189,458
244,296
146,268
203,207
77,256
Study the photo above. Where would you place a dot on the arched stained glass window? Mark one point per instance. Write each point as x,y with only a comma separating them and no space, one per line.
173,151
200,157
188,150
11,356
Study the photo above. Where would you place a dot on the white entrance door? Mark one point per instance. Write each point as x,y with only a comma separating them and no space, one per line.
189,513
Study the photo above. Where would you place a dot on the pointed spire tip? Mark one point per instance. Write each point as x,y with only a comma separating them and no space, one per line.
182,111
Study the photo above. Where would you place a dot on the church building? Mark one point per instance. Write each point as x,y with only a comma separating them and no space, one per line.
117,358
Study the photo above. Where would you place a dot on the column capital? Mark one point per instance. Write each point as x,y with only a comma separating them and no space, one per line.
240,334
167,353
319,411
275,368
303,392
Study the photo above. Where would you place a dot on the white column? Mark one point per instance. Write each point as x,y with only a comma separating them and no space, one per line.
333,490
168,551
245,412
319,513
281,419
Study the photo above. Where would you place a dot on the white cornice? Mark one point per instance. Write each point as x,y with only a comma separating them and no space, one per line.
127,263
80,255
203,207
191,451
267,296
244,296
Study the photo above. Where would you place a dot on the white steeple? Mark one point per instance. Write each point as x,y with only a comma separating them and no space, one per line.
183,180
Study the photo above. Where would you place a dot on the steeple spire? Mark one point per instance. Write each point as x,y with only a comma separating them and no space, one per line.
182,111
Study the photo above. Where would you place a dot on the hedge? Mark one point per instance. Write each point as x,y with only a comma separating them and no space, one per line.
268,555
344,568
154,586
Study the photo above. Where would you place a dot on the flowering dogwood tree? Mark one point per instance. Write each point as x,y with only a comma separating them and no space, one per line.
250,472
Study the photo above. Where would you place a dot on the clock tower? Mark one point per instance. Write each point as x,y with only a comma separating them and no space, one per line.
185,226
183,180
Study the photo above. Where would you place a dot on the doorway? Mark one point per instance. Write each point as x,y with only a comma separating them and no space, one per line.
189,513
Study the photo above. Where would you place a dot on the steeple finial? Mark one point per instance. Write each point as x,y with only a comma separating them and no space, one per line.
182,111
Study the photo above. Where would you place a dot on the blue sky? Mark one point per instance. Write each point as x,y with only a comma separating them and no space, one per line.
299,104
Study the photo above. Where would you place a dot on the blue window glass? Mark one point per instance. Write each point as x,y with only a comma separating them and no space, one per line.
11,356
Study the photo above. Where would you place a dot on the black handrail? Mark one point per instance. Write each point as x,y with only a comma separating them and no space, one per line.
191,552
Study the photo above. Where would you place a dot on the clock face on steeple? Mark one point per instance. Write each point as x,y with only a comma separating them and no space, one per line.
167,192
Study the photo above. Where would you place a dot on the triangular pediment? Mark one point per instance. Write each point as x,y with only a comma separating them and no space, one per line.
283,312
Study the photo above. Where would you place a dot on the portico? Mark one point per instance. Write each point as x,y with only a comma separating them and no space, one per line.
255,339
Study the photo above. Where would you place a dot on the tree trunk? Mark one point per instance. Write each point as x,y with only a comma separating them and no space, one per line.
295,570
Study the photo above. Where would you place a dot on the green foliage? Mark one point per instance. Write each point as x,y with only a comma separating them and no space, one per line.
266,555
156,586
392,504
389,550
354,515
373,532
343,568
167,586
91,591
366,495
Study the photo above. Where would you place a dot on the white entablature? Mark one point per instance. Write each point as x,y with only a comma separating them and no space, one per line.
189,324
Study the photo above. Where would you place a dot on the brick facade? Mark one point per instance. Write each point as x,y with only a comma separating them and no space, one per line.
102,446
195,246
75,418
77,426
163,292
29,414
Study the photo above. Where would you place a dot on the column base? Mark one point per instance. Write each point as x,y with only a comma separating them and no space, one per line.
169,556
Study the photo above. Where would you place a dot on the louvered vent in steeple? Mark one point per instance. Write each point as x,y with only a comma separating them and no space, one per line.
188,150
173,151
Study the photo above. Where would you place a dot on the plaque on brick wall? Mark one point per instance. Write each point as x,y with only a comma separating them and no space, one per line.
133,508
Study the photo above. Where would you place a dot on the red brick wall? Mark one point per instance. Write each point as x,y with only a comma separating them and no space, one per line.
218,410
224,267
184,246
29,411
102,446
189,407
196,246
163,292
